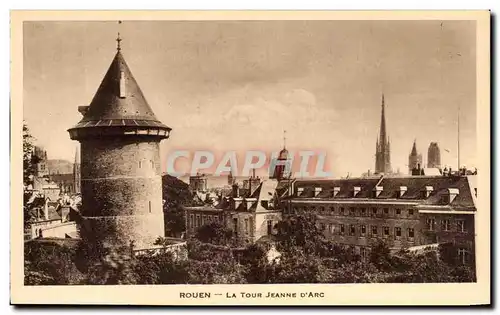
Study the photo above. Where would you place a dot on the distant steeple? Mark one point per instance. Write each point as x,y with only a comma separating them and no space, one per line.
383,151
414,149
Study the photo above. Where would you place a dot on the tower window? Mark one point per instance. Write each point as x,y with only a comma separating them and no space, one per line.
149,206
140,164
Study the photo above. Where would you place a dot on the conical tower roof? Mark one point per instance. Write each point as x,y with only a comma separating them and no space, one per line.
414,148
119,102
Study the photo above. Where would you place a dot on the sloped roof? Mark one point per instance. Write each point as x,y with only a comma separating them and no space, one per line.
391,186
109,108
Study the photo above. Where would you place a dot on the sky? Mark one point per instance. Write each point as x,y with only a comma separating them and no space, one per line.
236,85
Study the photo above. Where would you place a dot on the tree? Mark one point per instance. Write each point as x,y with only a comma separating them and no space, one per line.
300,230
176,195
48,263
380,256
29,160
214,233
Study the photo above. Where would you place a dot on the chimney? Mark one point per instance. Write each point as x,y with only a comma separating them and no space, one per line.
317,191
356,190
378,190
336,190
402,191
236,191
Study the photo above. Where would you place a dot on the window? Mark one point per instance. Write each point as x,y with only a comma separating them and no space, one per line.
386,210
410,212
411,232
140,164
342,229
461,226
352,230
204,220
247,227
363,230
332,210
430,224
363,252
445,225
462,255
374,230
342,210
322,227
152,164
191,221
397,232
149,203
398,211
352,211
386,231
235,226
363,212
374,211
332,228
269,227
322,210
198,220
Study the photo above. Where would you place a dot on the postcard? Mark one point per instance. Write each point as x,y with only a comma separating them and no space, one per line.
250,157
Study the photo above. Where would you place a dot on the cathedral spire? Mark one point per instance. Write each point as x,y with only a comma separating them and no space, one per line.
383,133
383,154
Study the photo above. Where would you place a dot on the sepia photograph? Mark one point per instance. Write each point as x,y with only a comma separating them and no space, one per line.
202,149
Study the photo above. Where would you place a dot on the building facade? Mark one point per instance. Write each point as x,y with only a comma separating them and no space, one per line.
250,213
404,212
121,184
383,147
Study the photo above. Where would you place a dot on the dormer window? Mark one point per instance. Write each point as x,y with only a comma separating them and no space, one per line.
450,195
427,192
402,191
317,191
356,190
300,191
377,191
336,191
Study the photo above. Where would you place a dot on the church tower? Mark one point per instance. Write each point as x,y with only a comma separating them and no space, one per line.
281,166
414,159
121,182
383,147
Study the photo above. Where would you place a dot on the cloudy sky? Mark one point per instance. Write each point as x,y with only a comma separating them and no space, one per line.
237,85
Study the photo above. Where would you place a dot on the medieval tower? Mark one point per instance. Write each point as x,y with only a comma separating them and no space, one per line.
383,147
76,173
121,182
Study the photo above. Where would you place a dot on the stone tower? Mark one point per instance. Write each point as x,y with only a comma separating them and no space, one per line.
414,159
434,156
121,181
383,147
76,173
